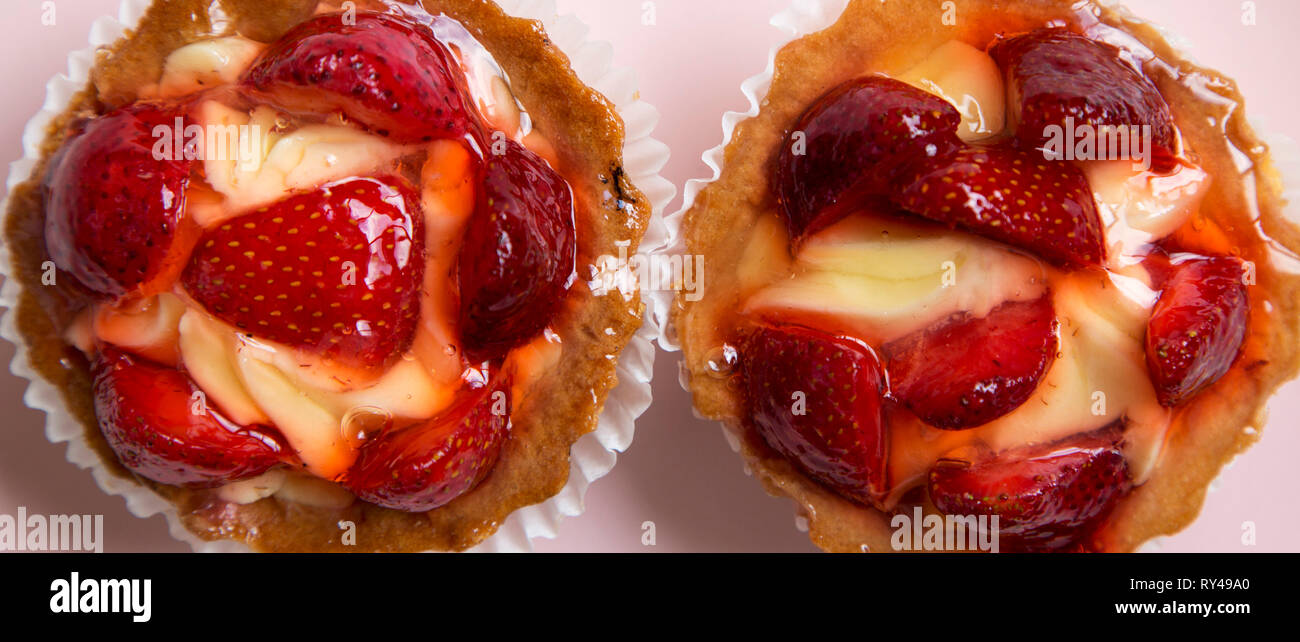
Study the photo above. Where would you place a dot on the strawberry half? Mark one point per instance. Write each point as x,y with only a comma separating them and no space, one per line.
966,371
114,212
427,465
1008,195
852,139
816,399
517,256
161,430
1046,497
337,271
1054,74
1197,326
384,71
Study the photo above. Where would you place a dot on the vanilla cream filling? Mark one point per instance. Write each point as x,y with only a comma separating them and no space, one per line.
147,327
253,162
880,280
1139,207
970,80
203,65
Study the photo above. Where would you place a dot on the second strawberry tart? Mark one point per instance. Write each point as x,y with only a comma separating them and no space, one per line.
1015,267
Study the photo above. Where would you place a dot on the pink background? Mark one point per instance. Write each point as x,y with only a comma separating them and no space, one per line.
679,472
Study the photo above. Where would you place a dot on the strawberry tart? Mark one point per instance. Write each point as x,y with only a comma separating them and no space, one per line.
1021,268
308,270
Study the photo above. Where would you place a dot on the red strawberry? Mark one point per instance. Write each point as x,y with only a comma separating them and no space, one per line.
384,71
1008,195
1053,74
853,138
159,429
1197,327
517,256
114,212
1045,497
965,371
338,270
424,466
816,399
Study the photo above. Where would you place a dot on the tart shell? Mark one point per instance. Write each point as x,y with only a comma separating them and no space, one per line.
890,35
548,418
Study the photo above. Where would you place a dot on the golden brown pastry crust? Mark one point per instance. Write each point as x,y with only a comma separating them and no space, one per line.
587,135
888,36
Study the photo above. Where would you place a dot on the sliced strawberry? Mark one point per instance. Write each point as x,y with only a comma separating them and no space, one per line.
1008,195
384,71
114,211
160,429
424,466
1046,497
337,271
852,139
1197,327
517,257
816,399
967,371
1053,74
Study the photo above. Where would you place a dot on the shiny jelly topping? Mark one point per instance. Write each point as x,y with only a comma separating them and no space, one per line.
315,267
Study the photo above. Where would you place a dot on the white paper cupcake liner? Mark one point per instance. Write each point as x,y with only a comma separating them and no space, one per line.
804,17
592,456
